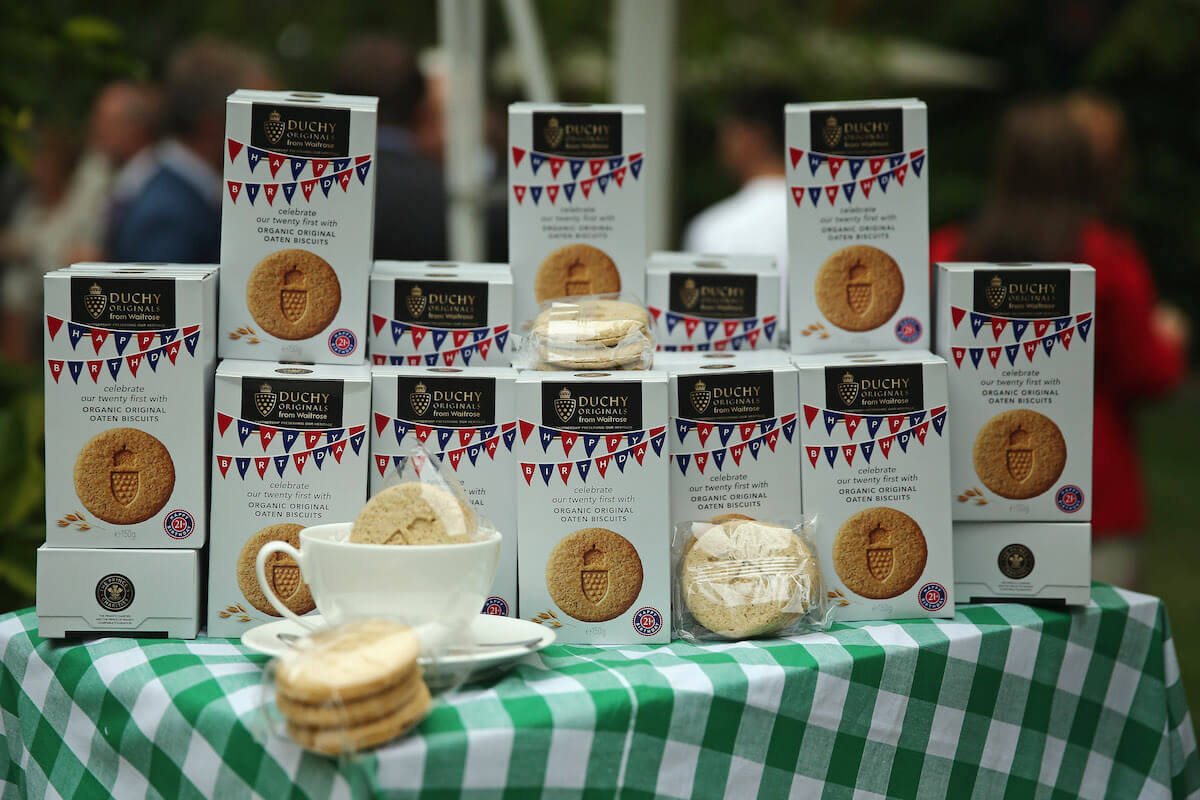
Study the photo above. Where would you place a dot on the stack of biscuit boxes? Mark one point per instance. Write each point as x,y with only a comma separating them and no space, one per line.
130,352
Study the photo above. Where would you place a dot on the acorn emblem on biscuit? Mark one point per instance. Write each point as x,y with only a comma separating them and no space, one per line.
419,399
700,397
858,289
995,291
293,298
273,127
832,132
594,575
847,389
124,477
285,578
564,405
415,301
689,294
880,557
95,301
1019,455
264,400
553,132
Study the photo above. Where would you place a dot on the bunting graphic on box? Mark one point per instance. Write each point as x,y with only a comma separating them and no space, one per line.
617,168
897,168
1044,341
893,426
326,173
767,430
471,441
1019,325
481,339
317,167
713,326
298,460
636,441
170,342
590,441
743,341
289,436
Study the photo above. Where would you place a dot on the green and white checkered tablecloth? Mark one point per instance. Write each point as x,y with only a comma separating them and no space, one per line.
1001,701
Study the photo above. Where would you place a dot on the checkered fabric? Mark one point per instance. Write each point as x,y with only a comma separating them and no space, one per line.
1001,701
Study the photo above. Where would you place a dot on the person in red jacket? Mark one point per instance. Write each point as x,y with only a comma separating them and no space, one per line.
1049,195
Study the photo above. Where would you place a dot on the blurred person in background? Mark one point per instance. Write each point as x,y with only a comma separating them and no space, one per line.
750,148
1045,204
410,193
176,215
126,126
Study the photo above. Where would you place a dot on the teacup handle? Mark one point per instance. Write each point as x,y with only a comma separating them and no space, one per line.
260,568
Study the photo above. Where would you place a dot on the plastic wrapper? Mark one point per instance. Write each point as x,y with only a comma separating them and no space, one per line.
738,578
609,332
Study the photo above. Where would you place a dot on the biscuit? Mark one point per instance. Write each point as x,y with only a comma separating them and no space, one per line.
344,739
593,333
743,578
348,662
859,288
282,571
293,294
574,270
879,553
717,520
414,513
1019,454
124,476
594,574
335,713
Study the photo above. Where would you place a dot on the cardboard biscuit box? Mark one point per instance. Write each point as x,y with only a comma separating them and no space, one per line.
876,474
733,442
289,451
1043,562
708,302
467,418
441,313
145,593
1020,342
858,225
577,202
297,224
130,352
594,549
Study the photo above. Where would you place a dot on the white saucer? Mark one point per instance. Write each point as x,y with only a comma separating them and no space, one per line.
487,629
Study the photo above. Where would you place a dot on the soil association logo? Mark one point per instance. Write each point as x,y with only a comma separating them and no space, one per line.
553,132
274,127
114,592
832,132
689,295
416,301
701,397
265,399
564,405
419,398
996,292
95,301
848,389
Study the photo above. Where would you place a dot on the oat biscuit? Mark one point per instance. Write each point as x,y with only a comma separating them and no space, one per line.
124,476
879,553
349,662
282,571
743,578
717,520
293,294
593,333
336,713
414,513
1019,454
574,270
859,288
342,739
594,574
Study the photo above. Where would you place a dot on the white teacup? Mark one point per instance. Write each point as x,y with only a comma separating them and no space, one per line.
415,584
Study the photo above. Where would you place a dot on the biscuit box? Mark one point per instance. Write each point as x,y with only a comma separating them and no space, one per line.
733,442
440,313
130,352
145,593
858,225
876,474
1019,340
289,451
708,302
468,418
594,549
297,224
1042,562
577,205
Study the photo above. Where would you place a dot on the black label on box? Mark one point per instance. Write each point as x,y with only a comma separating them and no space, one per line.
442,304
887,389
123,304
724,396
577,134
306,131
720,295
1026,293
857,132
592,407
446,402
292,403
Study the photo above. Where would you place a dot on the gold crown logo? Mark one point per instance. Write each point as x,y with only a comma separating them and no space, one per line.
565,394
94,289
420,388
847,378
416,291
996,280
265,388
700,387
274,116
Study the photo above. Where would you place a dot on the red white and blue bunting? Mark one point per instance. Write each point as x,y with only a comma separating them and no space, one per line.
897,167
918,423
743,341
289,436
1031,347
298,460
169,347
583,467
612,441
317,166
713,326
482,339
1083,322
485,435
617,167
768,431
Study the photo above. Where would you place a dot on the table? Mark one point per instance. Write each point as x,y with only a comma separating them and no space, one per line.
1001,701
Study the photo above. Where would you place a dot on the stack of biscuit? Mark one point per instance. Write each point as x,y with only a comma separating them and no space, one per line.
352,687
587,333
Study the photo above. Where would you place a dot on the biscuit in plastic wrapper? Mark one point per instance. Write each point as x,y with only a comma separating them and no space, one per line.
356,686
589,332
739,578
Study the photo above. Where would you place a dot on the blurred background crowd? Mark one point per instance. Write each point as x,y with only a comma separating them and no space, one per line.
1058,132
